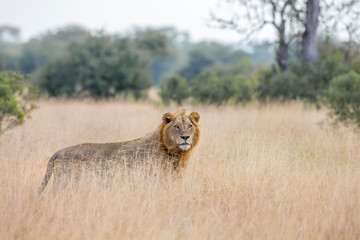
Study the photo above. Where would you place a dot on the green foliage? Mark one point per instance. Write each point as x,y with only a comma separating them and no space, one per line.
2,62
101,66
30,56
163,67
319,75
206,55
205,87
58,62
174,88
302,80
73,62
153,40
32,91
209,87
12,104
244,88
189,59
38,51
343,97
199,60
283,86
264,90
221,53
232,83
356,65
243,67
104,65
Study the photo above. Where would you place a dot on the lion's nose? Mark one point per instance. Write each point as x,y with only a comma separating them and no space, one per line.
185,137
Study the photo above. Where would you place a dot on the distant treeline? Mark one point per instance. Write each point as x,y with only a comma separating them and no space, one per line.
73,61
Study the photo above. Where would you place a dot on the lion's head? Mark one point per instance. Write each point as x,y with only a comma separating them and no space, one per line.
180,132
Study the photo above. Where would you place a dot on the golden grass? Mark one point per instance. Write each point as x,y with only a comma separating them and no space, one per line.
275,172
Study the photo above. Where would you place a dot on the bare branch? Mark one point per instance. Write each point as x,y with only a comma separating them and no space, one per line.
233,25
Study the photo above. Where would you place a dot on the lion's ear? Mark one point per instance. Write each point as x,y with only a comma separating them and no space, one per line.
195,116
168,117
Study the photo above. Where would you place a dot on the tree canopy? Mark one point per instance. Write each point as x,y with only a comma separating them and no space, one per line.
101,66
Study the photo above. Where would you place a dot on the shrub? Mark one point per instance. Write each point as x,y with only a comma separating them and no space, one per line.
208,87
264,90
174,88
356,65
283,86
343,98
302,80
316,78
245,88
13,105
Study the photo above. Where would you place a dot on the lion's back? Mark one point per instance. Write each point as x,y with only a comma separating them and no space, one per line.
127,152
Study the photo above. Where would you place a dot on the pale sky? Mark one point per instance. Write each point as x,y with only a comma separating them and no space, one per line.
37,16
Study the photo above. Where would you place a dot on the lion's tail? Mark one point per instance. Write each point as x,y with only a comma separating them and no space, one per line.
49,170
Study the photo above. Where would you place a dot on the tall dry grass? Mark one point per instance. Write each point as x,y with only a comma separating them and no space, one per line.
275,172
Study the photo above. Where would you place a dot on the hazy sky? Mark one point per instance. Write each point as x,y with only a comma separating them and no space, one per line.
36,16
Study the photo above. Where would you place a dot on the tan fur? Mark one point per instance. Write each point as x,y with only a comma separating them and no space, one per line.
166,145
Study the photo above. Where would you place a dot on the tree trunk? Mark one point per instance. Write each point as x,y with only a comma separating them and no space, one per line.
282,51
309,41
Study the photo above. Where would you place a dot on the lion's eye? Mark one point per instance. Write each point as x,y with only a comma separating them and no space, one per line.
190,126
177,127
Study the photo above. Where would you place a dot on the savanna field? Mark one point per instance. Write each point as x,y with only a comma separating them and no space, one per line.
280,171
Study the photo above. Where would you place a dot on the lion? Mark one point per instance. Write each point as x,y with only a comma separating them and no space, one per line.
170,144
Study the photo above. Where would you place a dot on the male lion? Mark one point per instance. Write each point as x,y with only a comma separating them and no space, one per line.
170,144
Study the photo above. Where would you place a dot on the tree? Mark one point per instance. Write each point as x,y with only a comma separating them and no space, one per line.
169,62
101,66
303,81
40,50
9,47
222,84
342,16
13,108
206,55
259,14
291,19
153,40
9,35
263,53
309,37
334,16
199,60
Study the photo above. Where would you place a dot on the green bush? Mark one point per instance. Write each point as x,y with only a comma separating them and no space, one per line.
264,89
302,80
245,88
237,88
243,67
343,98
208,87
316,78
174,88
13,105
282,86
356,65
